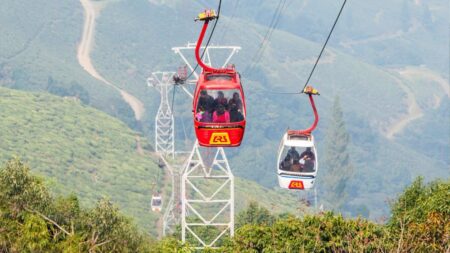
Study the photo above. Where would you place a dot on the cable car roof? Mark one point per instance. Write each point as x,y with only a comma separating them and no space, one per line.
223,81
298,140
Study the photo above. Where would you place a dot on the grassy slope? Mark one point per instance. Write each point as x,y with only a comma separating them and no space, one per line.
85,151
81,149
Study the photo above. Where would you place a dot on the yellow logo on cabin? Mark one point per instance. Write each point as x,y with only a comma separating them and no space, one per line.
219,138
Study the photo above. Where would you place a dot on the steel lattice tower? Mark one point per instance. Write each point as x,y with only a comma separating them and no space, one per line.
164,121
207,193
210,208
207,183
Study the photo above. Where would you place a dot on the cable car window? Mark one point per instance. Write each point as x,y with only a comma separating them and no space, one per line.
220,106
156,202
218,77
293,160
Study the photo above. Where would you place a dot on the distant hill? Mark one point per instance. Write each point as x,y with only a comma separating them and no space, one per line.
387,107
80,149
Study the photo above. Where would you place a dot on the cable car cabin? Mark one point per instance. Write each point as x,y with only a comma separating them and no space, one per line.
219,109
297,161
156,204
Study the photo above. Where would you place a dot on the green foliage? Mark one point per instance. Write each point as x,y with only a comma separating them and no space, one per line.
34,235
80,149
32,221
254,215
170,244
420,223
420,219
75,90
320,233
84,151
111,230
20,190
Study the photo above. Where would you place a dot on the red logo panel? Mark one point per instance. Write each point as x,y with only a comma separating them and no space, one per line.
296,184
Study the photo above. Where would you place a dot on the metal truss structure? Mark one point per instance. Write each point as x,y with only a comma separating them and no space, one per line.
231,50
207,192
164,121
171,217
207,185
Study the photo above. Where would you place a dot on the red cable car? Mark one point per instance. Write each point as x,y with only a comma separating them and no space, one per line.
219,104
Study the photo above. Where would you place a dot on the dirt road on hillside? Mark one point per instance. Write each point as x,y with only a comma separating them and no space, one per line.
423,72
414,111
91,12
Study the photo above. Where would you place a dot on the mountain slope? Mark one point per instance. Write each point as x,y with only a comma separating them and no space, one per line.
374,98
85,151
38,52
134,38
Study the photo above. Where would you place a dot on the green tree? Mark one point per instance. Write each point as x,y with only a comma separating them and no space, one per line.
21,191
337,167
318,233
111,231
34,235
254,215
420,220
32,221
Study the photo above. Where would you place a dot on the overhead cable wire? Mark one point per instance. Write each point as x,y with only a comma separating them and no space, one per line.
272,25
209,39
263,49
204,51
227,26
324,45
318,57
173,100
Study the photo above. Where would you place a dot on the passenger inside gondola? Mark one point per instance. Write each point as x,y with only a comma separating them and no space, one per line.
294,153
307,154
205,101
296,166
221,115
307,159
236,100
220,100
308,165
222,109
235,114
202,115
286,163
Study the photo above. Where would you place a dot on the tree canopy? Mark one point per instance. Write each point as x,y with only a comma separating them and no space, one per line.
32,220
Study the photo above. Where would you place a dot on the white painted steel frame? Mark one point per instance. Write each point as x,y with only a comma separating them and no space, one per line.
220,164
171,216
164,121
207,57
219,169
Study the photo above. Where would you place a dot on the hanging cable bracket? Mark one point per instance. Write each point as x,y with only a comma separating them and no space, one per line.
207,15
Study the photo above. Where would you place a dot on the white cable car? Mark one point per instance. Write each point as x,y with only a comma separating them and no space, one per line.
156,204
297,162
297,157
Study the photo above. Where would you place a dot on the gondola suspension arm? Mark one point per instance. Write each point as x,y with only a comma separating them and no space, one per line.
206,17
311,92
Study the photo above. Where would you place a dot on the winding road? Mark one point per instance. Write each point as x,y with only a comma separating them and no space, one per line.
423,72
412,73
414,111
91,12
